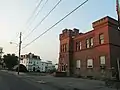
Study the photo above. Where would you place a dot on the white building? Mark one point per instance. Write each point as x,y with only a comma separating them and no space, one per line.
33,63
50,66
43,66
1,51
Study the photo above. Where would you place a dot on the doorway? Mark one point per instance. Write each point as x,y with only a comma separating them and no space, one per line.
34,69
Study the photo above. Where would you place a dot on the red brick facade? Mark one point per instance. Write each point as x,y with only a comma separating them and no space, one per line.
96,50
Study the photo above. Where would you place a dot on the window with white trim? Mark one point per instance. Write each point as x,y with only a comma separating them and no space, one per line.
87,43
78,64
102,60
91,41
101,38
79,45
90,63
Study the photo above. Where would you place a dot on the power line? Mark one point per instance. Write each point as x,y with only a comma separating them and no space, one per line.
34,11
43,18
56,23
38,12
29,19
32,14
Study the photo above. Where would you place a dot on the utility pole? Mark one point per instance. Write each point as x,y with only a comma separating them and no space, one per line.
118,27
118,15
19,53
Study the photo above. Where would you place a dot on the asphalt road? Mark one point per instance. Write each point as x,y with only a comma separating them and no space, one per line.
13,82
69,83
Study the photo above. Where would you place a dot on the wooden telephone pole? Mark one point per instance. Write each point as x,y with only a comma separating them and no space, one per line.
20,42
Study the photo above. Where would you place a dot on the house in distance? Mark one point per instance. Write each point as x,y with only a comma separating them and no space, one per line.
34,63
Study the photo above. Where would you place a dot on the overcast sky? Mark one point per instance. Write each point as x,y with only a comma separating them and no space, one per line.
15,13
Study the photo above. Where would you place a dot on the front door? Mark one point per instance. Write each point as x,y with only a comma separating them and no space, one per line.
34,69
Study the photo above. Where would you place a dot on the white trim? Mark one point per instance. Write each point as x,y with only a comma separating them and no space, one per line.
78,63
89,63
102,60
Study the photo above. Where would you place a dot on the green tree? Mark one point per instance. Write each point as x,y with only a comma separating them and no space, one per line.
10,60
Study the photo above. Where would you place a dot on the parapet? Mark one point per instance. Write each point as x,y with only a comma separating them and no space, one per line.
69,33
106,20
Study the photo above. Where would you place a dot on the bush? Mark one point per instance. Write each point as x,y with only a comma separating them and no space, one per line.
22,68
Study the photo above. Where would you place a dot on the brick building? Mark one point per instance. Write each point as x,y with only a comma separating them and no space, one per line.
93,53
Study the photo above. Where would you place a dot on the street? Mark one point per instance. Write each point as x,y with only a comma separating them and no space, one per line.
11,81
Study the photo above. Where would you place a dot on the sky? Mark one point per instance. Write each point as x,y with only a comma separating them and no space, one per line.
14,15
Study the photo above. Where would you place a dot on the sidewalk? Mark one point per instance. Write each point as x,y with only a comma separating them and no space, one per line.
13,72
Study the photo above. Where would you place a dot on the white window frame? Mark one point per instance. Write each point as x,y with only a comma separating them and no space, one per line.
102,60
89,63
78,64
87,43
77,46
91,41
101,38
80,46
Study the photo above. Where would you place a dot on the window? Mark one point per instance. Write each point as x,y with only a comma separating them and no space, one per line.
37,62
61,48
91,41
90,63
78,64
101,38
102,60
78,46
63,68
30,62
87,43
65,47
